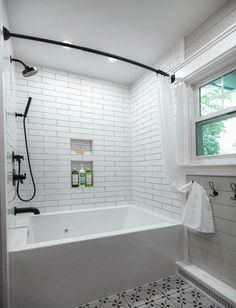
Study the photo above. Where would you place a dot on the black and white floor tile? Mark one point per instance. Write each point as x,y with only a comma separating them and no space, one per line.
171,292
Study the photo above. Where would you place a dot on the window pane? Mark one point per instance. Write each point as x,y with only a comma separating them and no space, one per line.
218,94
229,82
217,135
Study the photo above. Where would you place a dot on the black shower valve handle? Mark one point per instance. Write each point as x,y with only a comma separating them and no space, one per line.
17,158
22,178
18,177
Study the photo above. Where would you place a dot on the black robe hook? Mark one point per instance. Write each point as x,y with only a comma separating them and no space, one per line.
233,187
214,192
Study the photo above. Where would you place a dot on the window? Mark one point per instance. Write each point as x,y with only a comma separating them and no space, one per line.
215,120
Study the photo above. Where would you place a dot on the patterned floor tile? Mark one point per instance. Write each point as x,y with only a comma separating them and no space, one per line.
191,298
139,296
114,301
171,292
163,302
172,284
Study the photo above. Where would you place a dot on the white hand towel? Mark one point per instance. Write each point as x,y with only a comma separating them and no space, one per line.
198,213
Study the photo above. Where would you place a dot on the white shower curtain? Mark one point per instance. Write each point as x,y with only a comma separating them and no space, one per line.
198,213
169,133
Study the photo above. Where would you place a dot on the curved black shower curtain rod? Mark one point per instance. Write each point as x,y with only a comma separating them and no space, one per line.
7,35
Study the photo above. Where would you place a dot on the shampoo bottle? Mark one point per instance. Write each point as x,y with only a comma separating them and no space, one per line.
82,176
74,178
89,178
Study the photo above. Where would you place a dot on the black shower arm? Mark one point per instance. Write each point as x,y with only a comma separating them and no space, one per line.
16,60
7,35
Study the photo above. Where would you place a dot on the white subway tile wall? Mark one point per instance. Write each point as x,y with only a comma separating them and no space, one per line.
66,106
115,117
150,186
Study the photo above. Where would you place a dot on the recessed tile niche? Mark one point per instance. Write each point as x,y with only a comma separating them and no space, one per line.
81,147
82,155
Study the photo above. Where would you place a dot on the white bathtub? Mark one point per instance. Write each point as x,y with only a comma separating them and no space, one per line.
65,259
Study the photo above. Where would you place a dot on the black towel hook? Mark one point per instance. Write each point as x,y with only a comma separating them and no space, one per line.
214,192
233,187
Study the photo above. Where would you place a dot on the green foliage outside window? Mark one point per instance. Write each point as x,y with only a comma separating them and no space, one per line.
217,135
210,133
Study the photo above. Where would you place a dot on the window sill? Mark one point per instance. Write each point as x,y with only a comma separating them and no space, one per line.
209,168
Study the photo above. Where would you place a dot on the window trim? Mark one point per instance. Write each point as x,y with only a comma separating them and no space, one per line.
194,117
214,57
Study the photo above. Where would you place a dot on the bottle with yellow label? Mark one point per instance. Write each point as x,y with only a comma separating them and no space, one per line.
88,178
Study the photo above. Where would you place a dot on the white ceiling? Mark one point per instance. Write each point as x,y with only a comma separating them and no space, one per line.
142,30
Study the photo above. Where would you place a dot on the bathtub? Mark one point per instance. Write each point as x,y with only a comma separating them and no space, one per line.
65,259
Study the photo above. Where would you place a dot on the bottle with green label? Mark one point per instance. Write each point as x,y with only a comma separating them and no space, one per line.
82,176
89,178
74,178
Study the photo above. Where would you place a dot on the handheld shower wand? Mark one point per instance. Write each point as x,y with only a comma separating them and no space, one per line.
27,153
27,107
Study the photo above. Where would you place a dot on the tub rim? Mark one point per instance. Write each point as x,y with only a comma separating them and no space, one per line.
20,233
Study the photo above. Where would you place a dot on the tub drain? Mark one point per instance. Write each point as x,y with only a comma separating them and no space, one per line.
66,230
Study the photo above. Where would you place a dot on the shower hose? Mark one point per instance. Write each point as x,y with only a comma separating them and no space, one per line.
30,169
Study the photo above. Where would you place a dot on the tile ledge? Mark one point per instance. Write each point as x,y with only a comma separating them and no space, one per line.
220,287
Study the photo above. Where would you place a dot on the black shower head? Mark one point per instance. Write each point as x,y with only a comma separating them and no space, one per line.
28,71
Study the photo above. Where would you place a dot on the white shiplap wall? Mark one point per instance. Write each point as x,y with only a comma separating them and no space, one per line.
216,253
67,106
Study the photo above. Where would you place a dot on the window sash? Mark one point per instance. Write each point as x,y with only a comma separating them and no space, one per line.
220,97
198,137
196,118
197,87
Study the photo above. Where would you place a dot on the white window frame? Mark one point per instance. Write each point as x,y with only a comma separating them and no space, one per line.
219,159
217,54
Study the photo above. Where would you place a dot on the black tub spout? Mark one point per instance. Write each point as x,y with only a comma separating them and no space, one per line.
21,210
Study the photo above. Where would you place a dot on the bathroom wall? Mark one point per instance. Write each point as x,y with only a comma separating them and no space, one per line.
149,183
67,106
7,145
150,186
216,253
124,125
223,18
